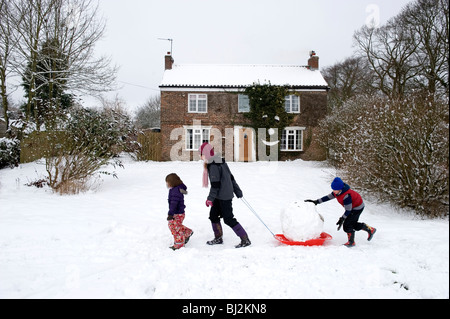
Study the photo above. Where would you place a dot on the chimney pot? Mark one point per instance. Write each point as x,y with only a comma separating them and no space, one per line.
168,61
313,62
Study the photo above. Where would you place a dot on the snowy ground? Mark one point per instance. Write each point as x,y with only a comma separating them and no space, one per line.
113,242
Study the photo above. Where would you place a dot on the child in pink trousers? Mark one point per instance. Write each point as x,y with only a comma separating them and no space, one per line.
177,190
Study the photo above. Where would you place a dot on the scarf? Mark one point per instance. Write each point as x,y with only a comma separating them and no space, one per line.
208,151
205,176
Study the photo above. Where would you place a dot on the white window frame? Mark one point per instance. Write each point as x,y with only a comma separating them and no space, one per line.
243,100
197,98
289,105
292,132
199,132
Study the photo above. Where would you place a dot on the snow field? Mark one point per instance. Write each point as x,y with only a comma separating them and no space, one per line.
113,242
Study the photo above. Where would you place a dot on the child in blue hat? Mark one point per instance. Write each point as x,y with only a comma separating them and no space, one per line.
354,206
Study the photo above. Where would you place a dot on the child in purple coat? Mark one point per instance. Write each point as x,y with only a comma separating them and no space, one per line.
176,215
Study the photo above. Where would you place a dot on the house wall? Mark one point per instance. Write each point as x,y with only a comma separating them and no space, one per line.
223,114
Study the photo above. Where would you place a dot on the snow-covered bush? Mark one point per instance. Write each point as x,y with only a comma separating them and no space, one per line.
9,152
397,149
90,140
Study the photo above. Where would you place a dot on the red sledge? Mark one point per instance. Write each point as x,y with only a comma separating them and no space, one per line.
313,242
281,238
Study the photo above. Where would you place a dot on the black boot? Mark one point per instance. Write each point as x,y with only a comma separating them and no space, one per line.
218,233
244,242
242,234
215,241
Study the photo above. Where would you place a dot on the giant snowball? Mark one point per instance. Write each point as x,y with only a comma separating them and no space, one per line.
301,222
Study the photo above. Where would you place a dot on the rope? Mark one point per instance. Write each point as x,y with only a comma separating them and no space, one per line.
253,211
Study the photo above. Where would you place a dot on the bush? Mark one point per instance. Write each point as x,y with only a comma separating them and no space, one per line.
397,149
91,139
9,152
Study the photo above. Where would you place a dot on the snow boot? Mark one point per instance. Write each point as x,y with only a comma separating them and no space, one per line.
240,232
217,229
370,230
244,242
351,240
188,237
176,246
215,241
218,233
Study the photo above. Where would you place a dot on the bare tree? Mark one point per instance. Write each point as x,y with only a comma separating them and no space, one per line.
388,52
4,53
428,23
395,144
30,23
410,51
347,79
59,36
7,47
149,115
78,29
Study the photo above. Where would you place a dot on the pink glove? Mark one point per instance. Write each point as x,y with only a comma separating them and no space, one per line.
209,203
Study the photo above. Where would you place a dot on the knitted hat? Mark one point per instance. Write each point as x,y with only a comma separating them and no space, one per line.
204,150
337,184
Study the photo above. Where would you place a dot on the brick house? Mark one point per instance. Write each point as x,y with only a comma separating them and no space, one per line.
205,103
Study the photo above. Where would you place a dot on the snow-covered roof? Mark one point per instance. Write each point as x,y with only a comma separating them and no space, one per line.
241,76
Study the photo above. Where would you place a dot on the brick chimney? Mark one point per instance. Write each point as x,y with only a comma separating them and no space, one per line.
168,61
313,62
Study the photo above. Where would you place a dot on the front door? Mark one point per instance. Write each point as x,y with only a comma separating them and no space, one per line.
245,144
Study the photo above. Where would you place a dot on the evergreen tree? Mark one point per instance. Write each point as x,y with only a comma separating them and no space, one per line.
50,82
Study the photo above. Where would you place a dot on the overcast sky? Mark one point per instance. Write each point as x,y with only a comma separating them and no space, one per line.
228,32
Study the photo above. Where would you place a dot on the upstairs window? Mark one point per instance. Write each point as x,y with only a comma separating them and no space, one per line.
244,103
292,104
198,103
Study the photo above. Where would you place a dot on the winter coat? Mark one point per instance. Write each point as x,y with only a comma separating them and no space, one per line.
223,184
176,199
348,198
